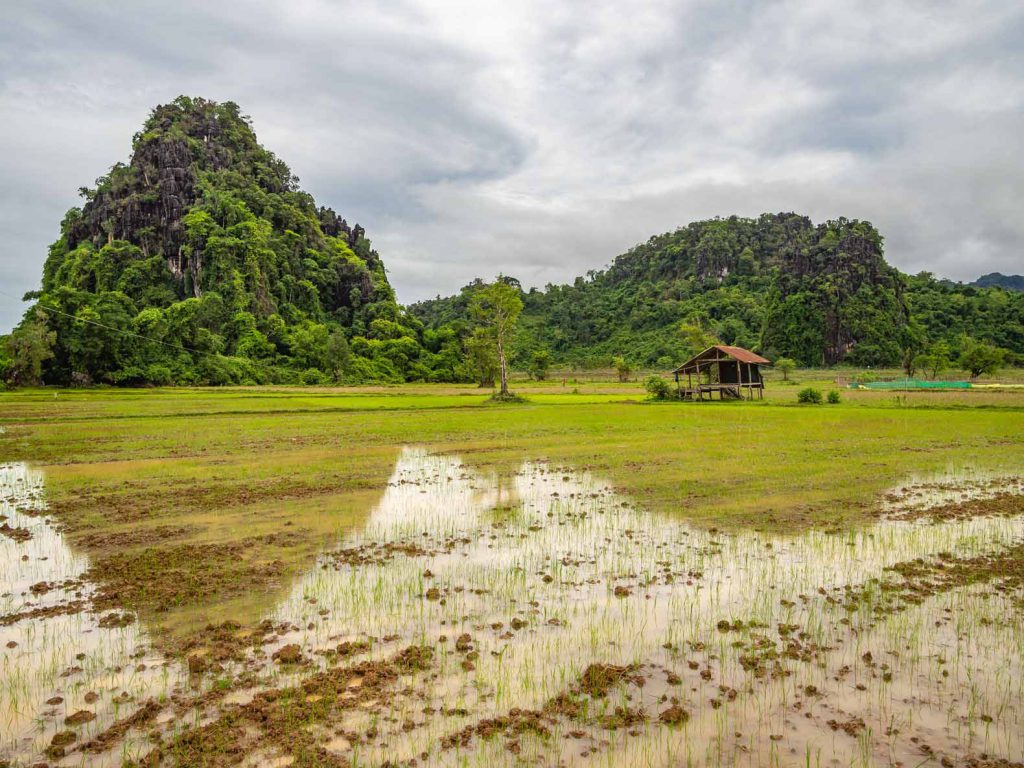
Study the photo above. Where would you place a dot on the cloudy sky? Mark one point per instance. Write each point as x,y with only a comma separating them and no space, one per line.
540,138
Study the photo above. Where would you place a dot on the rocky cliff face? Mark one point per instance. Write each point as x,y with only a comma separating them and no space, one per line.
185,149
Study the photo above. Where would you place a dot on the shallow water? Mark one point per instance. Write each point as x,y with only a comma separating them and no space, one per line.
549,571
68,656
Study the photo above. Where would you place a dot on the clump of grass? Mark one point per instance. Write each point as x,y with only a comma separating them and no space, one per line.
508,397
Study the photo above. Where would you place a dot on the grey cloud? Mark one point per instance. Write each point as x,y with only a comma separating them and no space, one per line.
542,138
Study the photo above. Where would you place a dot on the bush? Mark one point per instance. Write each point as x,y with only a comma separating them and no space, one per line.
314,377
657,387
809,395
833,396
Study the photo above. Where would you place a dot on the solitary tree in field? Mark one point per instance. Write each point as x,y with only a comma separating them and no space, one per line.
785,366
979,357
496,309
482,357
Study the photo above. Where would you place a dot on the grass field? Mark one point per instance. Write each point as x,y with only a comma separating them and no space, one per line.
172,511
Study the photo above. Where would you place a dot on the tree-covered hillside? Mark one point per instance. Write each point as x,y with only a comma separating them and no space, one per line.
820,294
202,261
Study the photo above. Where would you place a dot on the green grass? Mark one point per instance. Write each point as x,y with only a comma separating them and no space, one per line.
236,463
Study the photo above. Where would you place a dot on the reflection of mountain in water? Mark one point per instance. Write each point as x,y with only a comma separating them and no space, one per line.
58,648
592,578
580,573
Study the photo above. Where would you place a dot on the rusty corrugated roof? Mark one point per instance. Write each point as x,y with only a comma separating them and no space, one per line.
743,355
736,353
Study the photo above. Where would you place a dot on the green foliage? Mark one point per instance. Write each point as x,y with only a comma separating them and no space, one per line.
936,361
622,368
539,364
834,397
245,281
980,358
657,387
496,308
482,356
26,350
809,395
778,284
785,366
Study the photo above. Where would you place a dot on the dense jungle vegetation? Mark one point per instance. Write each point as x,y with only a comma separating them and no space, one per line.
201,261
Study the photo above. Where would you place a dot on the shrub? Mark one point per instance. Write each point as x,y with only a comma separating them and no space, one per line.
314,377
657,387
833,396
809,395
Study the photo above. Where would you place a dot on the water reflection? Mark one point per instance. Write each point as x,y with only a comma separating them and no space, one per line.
55,658
548,571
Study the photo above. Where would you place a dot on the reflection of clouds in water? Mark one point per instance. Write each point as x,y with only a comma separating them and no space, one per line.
957,484
48,651
428,488
545,545
557,556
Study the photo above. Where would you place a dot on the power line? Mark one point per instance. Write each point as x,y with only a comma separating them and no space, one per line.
122,331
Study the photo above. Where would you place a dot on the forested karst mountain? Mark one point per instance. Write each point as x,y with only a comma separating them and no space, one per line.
201,260
822,294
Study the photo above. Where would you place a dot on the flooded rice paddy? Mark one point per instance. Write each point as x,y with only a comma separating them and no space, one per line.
542,619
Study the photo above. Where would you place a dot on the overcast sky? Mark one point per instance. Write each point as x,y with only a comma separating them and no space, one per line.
540,139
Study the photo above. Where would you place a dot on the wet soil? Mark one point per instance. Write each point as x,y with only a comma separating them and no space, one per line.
688,630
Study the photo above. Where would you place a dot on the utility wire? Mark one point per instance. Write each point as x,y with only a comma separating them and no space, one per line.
77,319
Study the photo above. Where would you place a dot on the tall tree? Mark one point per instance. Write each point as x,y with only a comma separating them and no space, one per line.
29,346
496,308
980,357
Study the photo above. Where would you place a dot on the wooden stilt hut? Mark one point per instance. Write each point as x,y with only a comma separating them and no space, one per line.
732,372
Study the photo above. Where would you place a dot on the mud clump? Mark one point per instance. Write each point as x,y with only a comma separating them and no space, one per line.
622,717
374,553
178,575
598,679
137,537
112,735
350,648
511,726
415,658
81,717
289,654
852,727
19,535
268,722
674,715
117,620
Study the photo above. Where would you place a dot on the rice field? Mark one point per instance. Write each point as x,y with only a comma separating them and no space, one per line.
567,583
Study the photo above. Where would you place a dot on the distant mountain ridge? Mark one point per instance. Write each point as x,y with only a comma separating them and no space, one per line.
999,280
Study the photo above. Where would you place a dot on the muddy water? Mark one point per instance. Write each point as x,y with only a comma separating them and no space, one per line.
776,649
597,580
52,647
